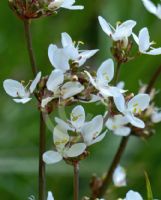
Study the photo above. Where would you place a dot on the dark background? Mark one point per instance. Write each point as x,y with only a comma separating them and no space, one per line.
19,123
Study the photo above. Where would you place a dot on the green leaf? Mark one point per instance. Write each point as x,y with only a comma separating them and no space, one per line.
148,187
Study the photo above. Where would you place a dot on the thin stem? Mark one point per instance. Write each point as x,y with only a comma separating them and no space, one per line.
153,79
30,46
42,142
117,74
76,180
114,164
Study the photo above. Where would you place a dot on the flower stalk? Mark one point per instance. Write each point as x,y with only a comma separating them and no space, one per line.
76,180
30,46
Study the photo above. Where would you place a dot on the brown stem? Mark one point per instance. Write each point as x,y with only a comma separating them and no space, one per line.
42,142
153,79
76,180
29,46
115,162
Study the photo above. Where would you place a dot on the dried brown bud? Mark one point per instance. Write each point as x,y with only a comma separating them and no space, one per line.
31,9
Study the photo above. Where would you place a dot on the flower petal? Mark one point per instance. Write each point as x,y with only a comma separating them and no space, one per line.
70,89
60,136
55,79
119,177
132,195
62,124
122,131
144,40
120,103
35,82
135,121
51,157
124,30
77,117
154,52
75,150
23,100
150,6
66,40
105,26
139,103
14,88
68,4
98,139
105,72
50,196
58,58
92,129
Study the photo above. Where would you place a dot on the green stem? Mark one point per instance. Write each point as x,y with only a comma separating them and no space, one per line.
76,180
30,46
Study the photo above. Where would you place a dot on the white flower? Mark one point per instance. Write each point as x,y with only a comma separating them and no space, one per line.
60,57
117,125
90,131
50,196
150,6
121,85
122,31
144,44
137,104
63,147
156,116
104,76
119,177
68,4
20,93
55,85
132,195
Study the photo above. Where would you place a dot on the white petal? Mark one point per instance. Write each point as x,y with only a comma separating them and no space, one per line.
91,79
144,40
62,124
98,139
55,79
135,38
131,195
123,131
60,136
14,88
119,177
105,26
106,72
154,52
135,121
124,30
121,85
156,117
35,82
50,196
75,150
70,89
139,103
120,103
54,5
45,101
51,157
66,40
92,129
77,117
58,58
150,6
110,91
23,100
68,4
83,56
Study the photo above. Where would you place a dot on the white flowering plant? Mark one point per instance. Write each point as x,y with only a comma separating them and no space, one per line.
71,82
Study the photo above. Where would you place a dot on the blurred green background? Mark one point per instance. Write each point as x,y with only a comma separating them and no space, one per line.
19,123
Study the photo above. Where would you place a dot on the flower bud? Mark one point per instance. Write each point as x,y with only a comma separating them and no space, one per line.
31,9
